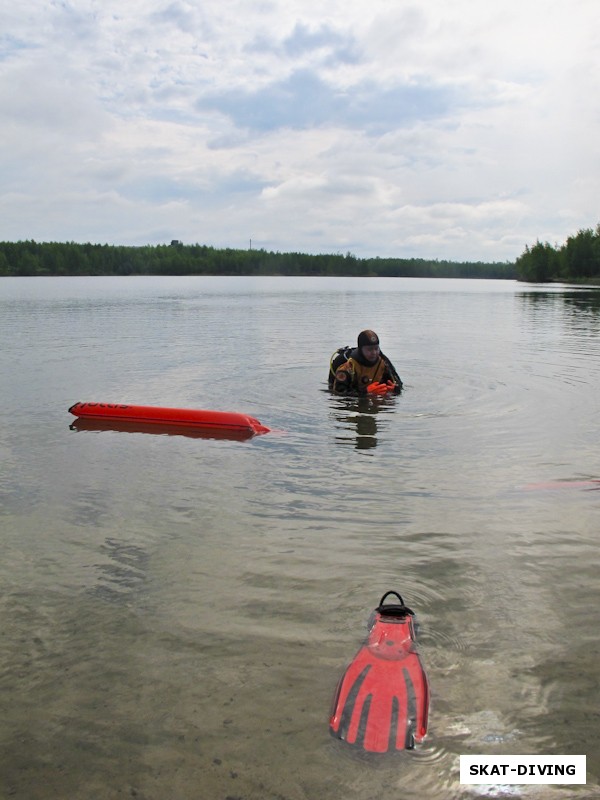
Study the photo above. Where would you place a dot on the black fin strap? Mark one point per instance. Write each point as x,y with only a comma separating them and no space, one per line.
393,610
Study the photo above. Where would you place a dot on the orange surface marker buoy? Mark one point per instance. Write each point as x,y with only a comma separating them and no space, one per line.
182,417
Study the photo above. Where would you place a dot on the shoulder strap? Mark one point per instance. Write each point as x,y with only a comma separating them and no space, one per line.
337,359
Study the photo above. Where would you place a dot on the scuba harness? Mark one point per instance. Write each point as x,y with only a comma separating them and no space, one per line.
343,354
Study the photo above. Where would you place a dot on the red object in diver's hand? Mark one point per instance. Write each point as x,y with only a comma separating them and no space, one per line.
378,388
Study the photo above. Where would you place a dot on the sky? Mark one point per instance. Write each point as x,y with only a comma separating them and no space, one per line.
461,130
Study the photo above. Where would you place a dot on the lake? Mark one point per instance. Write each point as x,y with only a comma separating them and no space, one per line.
177,611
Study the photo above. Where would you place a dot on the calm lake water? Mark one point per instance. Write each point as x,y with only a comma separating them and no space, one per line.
176,611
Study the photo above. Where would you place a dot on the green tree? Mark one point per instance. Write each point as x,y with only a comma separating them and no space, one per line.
540,264
580,255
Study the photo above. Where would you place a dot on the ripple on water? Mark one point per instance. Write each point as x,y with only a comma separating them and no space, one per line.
199,598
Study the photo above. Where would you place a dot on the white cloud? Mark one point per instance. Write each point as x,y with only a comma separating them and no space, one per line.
460,131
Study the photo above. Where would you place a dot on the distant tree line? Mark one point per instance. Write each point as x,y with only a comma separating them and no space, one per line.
29,258
577,261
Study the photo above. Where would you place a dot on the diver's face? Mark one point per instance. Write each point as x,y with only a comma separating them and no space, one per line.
371,352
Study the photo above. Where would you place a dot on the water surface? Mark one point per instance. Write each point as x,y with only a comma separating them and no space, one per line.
177,611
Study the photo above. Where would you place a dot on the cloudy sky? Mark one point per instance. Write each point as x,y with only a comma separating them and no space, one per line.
458,129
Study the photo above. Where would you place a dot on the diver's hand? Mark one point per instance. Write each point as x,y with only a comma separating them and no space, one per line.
377,388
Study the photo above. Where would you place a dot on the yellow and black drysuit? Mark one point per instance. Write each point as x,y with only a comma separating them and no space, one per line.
351,373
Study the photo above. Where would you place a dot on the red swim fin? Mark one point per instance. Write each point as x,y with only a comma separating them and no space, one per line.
382,700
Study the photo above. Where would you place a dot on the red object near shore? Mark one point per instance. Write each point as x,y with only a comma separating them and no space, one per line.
382,700
181,417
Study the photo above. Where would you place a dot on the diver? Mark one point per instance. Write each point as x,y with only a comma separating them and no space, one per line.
364,369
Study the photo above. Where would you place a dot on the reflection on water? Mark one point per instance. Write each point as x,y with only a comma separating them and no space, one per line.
573,301
177,610
573,310
83,424
359,417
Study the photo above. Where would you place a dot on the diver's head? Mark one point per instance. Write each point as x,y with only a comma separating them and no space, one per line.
368,343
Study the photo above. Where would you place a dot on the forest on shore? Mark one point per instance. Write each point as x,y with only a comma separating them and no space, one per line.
576,261
30,258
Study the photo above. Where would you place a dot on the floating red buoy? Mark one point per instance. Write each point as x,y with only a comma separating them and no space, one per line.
182,417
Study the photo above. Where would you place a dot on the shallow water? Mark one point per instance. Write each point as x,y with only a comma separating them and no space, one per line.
177,611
